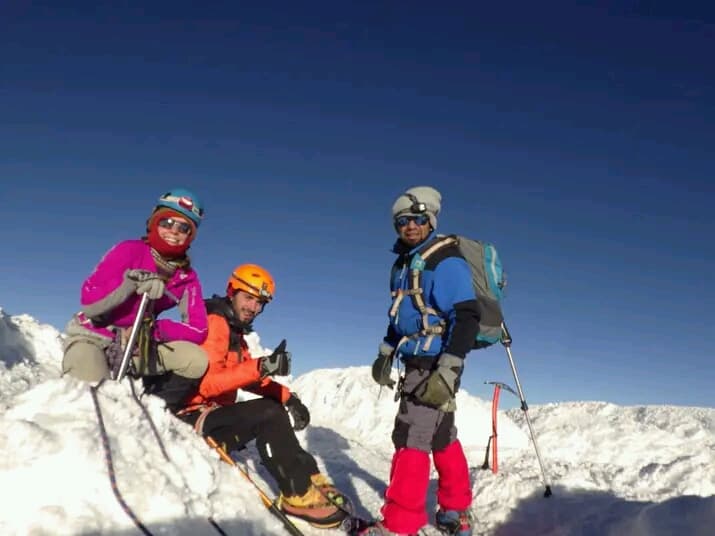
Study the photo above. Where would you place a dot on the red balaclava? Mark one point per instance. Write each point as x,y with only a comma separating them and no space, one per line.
163,248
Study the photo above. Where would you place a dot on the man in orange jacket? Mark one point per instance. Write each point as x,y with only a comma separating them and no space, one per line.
213,410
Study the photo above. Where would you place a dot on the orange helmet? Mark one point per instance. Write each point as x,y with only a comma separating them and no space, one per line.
253,279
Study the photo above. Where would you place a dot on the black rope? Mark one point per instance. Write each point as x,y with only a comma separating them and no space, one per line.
352,524
110,464
217,527
214,524
151,421
271,505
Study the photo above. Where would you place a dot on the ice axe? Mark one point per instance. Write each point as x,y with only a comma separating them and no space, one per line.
133,334
492,441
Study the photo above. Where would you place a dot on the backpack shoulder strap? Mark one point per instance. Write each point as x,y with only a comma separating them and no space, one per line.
417,266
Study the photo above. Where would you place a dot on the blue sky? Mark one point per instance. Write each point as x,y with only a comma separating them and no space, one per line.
577,140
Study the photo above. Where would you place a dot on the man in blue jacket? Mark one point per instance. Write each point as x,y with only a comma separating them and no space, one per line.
432,337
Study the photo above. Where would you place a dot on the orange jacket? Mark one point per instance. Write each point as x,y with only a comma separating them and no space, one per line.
231,369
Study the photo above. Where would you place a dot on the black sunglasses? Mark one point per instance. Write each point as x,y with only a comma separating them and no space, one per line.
420,219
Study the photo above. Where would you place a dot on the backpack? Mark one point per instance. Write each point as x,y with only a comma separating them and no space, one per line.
488,280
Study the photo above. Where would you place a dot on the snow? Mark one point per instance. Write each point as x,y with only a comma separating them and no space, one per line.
614,470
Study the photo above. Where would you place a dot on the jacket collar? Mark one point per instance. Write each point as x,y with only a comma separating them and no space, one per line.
221,305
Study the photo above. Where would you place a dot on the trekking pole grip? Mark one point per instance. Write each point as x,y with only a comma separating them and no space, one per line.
506,339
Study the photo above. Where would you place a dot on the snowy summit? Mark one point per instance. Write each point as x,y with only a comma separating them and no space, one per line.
613,470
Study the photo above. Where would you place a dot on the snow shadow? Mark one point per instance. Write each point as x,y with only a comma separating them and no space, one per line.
570,512
334,450
188,527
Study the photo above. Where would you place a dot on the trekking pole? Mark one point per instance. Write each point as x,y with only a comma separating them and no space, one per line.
129,350
271,505
506,341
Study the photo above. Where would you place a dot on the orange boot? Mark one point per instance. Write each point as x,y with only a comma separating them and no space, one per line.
321,506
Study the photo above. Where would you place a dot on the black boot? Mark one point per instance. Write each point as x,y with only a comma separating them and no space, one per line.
172,388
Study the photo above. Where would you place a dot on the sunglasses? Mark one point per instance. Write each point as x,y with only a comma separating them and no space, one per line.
420,219
171,223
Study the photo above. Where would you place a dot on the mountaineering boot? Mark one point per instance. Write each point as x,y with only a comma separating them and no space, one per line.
454,522
321,481
324,485
322,508
378,529
330,492
172,388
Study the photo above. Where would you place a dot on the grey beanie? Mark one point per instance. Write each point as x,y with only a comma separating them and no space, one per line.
421,194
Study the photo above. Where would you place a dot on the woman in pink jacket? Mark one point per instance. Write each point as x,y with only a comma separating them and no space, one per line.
168,351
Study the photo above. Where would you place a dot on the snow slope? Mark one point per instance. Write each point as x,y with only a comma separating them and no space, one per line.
646,470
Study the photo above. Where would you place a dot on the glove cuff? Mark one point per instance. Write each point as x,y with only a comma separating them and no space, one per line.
450,360
385,349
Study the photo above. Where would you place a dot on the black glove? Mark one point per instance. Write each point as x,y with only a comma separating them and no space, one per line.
276,364
297,410
443,382
382,366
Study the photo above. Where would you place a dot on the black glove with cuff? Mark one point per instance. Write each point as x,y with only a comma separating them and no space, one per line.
382,366
276,364
298,411
442,384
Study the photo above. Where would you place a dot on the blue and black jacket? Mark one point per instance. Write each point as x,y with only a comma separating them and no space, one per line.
447,289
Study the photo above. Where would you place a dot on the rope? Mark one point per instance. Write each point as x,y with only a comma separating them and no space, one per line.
271,505
352,524
110,464
165,454
217,527
151,422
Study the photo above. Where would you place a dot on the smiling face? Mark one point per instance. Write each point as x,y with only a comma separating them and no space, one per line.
174,230
170,233
247,306
412,229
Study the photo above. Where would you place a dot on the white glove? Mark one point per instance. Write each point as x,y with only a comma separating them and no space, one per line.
146,282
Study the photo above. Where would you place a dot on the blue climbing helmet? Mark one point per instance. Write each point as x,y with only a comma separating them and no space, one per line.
184,202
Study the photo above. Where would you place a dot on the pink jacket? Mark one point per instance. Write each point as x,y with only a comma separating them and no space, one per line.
108,275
